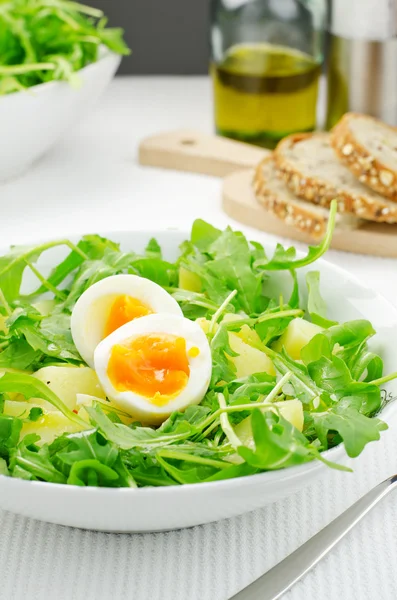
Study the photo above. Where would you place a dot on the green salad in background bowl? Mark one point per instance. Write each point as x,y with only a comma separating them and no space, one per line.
50,40
56,59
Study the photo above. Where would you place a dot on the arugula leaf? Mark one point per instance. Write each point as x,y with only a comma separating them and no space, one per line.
330,374
278,444
194,305
316,305
319,347
89,247
145,469
193,474
157,270
303,386
285,259
222,367
45,336
355,429
252,387
91,472
203,234
10,429
153,249
19,354
35,413
333,376
194,415
3,467
88,445
231,262
293,302
29,462
126,438
350,334
367,362
90,459
91,271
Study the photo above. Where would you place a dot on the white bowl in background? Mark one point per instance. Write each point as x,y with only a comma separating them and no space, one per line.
159,509
31,121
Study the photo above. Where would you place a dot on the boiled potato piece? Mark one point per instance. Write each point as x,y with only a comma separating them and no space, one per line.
291,410
204,324
14,408
66,382
248,335
189,281
50,426
298,333
249,359
45,307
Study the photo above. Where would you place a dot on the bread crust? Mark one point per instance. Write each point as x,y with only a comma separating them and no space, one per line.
322,192
302,218
368,169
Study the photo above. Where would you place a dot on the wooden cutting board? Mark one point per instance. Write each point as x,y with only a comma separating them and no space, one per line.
189,150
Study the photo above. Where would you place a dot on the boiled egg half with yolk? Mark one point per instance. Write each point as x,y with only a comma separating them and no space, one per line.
154,366
113,302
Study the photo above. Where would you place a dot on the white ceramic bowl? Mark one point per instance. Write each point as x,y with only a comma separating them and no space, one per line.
158,509
33,120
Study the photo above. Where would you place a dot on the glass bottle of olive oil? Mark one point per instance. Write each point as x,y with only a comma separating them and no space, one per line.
266,62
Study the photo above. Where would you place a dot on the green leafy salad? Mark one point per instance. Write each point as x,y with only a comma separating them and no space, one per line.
284,383
49,40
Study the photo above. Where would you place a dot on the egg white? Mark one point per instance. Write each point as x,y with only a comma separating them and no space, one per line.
91,311
200,366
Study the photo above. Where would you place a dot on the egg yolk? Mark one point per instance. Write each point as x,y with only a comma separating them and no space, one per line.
154,366
123,310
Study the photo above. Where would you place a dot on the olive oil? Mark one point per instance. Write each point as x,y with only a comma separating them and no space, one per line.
264,92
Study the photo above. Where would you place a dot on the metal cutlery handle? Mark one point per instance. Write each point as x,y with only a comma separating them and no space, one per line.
283,576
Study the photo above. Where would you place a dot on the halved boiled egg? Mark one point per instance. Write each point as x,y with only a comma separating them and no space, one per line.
154,366
113,302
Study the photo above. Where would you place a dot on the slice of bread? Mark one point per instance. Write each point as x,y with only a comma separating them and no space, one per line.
275,196
368,148
309,166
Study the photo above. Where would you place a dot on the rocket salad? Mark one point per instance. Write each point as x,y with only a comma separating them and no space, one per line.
50,40
286,383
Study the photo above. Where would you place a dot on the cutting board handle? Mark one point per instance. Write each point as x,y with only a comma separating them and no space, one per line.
189,150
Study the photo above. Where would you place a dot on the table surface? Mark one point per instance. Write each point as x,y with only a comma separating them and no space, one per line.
91,182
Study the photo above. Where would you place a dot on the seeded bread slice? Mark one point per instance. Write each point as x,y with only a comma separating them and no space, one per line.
308,165
368,148
277,199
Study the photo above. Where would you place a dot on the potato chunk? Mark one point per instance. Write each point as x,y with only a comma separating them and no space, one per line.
49,426
66,382
189,281
291,410
298,333
249,359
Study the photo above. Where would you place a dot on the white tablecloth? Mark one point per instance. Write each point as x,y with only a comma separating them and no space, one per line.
91,182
